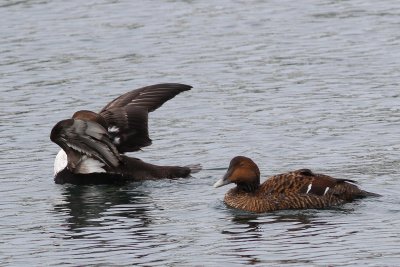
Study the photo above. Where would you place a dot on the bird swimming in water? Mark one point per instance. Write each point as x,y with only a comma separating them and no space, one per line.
93,144
300,189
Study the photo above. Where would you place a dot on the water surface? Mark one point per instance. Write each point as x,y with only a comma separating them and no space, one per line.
290,84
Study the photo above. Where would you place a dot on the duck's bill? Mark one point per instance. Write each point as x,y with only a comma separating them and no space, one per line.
221,182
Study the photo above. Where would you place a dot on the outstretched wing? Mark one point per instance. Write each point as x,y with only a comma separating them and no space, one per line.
128,127
127,115
149,97
83,141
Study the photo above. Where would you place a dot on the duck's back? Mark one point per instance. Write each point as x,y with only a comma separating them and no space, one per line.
304,181
301,189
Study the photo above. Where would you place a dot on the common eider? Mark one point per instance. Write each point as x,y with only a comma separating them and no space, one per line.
93,144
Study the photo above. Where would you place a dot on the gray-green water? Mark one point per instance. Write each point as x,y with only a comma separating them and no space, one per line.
291,84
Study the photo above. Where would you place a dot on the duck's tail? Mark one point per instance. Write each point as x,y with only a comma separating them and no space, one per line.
364,193
194,168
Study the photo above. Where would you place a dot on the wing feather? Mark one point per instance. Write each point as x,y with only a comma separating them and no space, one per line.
81,139
149,97
127,115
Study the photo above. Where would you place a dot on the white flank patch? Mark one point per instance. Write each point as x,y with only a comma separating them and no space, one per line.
60,162
90,165
309,188
326,190
113,129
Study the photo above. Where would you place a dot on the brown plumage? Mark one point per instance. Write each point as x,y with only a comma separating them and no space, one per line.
300,189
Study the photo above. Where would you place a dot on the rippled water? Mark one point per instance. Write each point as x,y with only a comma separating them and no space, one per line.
292,84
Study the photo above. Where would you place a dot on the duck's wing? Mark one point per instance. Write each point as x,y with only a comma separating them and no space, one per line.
86,144
128,127
149,97
305,182
127,115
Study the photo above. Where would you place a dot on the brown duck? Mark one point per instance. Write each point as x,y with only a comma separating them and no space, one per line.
93,143
300,189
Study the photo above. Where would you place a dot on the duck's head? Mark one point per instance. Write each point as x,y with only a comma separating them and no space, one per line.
243,172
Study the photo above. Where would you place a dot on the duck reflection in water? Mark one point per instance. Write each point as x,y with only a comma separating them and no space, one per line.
287,227
102,205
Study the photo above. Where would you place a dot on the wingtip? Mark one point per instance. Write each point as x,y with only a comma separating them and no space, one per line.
181,86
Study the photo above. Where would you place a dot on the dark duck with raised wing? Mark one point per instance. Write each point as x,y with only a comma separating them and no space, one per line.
93,143
300,189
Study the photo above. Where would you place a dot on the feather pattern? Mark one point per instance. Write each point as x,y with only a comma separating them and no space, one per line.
149,97
79,138
129,114
128,127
